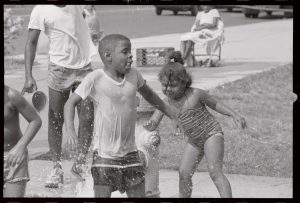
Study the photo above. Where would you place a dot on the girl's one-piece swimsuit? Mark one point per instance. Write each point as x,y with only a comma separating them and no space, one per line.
199,125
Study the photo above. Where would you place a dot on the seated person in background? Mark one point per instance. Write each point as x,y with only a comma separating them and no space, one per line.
207,30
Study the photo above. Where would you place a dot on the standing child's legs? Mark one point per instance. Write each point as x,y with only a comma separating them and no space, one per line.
214,153
57,101
190,160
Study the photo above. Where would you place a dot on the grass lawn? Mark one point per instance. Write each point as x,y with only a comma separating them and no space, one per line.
265,147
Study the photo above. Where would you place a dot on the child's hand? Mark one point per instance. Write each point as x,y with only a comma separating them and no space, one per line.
155,140
239,121
71,139
178,127
150,125
15,156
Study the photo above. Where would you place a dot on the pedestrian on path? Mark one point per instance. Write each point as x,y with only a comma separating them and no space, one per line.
116,162
15,161
205,136
69,62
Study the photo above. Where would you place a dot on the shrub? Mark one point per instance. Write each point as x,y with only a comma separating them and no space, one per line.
12,29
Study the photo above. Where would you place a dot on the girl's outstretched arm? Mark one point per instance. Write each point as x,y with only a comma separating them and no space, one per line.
154,121
221,108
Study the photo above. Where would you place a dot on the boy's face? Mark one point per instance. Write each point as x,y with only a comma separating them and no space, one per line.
173,89
122,57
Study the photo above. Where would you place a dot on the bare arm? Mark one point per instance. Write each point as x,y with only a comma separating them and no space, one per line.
154,121
221,108
154,99
30,114
69,112
30,51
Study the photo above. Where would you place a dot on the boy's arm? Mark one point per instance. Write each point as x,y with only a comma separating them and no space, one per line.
221,108
35,123
154,121
154,99
69,112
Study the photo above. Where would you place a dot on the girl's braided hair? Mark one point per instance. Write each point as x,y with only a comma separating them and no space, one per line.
174,70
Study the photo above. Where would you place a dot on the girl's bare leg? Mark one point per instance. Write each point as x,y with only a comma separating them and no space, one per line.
214,153
190,160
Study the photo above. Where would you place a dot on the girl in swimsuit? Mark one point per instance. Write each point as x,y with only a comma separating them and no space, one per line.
205,136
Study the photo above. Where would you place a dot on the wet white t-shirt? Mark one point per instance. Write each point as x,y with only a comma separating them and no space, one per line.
115,106
69,39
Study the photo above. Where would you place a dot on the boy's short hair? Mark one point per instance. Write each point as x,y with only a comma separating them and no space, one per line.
108,43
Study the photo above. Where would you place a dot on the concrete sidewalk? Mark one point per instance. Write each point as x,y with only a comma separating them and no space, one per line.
243,186
248,49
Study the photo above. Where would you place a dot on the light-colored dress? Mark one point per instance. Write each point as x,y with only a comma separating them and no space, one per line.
206,37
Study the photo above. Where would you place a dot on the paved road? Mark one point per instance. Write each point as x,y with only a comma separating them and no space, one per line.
140,21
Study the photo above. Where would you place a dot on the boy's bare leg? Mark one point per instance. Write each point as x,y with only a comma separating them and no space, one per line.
15,189
85,131
57,101
189,162
214,153
102,191
137,191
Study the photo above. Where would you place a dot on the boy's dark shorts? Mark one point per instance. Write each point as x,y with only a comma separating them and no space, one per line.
121,174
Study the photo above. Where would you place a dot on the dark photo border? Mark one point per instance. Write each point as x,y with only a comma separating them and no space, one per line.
296,113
